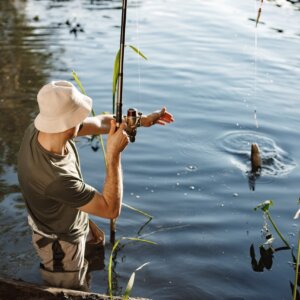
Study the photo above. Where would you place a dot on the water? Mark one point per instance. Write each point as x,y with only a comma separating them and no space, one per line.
191,176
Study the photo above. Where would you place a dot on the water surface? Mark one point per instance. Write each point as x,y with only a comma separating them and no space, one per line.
191,176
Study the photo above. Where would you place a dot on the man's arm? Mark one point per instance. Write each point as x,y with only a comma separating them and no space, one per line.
108,203
101,123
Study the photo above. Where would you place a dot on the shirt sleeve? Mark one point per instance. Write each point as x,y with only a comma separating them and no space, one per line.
71,191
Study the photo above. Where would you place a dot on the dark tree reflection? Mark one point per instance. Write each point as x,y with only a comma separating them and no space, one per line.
24,65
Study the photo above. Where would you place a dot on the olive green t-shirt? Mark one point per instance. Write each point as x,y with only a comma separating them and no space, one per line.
53,188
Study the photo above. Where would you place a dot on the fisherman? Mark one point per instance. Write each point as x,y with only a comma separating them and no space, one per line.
57,198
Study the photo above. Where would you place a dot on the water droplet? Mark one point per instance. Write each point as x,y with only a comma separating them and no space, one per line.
178,174
152,191
138,196
191,168
222,204
235,195
177,183
192,187
131,194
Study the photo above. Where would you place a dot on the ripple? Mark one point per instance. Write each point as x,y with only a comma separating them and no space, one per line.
275,161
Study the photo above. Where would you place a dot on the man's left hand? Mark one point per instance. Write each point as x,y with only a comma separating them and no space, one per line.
160,117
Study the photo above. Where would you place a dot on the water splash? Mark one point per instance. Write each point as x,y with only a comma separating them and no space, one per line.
275,161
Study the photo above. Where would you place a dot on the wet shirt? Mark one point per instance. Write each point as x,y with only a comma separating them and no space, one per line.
53,188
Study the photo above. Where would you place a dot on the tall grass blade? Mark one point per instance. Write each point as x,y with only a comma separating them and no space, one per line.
138,51
138,240
116,73
78,82
100,138
137,210
296,270
277,230
131,282
115,78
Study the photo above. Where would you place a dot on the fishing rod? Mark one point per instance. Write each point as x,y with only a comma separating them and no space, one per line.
133,118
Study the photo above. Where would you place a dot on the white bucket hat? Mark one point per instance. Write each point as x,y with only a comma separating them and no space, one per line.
61,106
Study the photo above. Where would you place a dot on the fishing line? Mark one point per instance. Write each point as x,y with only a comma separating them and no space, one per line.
137,19
255,68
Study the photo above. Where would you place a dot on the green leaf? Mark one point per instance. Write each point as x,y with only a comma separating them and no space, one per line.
78,82
138,51
137,210
115,77
76,78
131,282
264,206
138,240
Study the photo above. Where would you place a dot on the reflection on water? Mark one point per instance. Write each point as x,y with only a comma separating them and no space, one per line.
23,70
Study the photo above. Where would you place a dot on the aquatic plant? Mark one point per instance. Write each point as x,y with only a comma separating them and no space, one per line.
296,270
132,277
116,72
93,113
131,282
297,215
265,206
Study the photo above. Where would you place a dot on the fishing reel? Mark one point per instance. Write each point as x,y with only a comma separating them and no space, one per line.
133,120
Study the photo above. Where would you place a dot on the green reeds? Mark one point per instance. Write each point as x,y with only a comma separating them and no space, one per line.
93,113
110,266
296,270
116,73
138,211
264,206
131,282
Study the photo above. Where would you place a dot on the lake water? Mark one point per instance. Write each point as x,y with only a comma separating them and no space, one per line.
192,176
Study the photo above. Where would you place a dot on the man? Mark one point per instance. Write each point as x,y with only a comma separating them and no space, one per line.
57,199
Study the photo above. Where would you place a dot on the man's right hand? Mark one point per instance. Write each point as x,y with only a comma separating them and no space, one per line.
117,140
108,203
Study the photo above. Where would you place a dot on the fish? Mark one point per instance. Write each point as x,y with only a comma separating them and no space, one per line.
255,159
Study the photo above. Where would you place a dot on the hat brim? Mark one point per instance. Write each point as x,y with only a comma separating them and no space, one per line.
67,120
